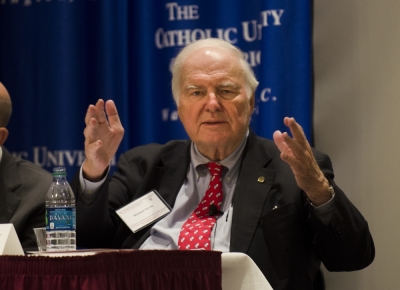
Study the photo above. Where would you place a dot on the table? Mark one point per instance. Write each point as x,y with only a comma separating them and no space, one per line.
125,269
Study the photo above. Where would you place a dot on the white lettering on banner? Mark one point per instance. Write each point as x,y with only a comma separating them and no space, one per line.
174,116
276,15
255,32
164,114
253,57
167,116
45,158
250,37
184,12
252,30
265,97
171,38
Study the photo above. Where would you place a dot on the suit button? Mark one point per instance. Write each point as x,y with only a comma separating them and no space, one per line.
261,179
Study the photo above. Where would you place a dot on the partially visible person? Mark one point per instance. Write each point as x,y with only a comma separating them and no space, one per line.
23,185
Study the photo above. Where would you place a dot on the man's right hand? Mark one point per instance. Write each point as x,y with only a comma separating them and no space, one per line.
102,138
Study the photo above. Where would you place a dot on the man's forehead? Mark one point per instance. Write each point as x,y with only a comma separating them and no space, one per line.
213,51
218,68
213,54
218,75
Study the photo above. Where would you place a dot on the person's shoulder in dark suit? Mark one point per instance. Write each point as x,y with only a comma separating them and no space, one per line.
23,189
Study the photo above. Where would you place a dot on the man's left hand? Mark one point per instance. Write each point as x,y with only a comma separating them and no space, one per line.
297,153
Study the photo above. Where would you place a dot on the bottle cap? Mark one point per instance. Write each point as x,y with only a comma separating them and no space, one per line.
57,171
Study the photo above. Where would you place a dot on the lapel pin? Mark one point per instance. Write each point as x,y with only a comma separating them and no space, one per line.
275,207
261,179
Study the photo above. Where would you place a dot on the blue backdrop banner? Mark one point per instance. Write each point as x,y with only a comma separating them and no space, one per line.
59,56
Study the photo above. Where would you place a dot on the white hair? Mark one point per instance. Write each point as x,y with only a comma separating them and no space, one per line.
251,82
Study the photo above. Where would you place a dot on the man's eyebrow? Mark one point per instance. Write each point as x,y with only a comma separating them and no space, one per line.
192,87
229,84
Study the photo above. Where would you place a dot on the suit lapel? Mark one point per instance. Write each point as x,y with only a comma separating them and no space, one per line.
252,187
9,183
169,177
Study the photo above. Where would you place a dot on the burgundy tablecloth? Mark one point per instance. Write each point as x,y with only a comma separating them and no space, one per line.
114,270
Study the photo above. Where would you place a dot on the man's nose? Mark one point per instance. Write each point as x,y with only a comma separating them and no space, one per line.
212,103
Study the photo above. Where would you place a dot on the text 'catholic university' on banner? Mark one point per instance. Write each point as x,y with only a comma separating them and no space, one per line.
57,57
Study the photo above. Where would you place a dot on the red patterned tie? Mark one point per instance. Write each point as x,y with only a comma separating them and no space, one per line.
196,231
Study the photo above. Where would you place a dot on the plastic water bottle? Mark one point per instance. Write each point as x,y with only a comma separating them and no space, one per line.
60,214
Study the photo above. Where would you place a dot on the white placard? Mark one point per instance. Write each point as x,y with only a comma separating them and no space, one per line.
239,272
9,242
143,211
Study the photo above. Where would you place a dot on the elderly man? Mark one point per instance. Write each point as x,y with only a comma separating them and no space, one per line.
278,202
23,185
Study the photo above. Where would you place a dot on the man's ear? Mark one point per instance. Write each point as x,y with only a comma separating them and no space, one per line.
3,135
252,101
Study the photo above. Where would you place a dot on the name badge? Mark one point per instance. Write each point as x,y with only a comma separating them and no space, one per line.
144,211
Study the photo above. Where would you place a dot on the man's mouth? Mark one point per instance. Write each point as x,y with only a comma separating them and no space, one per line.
213,123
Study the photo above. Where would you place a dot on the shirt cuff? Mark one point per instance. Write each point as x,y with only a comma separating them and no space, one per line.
324,211
87,187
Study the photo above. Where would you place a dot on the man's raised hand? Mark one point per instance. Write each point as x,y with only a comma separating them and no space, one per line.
103,134
297,153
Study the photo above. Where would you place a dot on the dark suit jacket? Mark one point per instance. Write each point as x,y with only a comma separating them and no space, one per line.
287,243
23,188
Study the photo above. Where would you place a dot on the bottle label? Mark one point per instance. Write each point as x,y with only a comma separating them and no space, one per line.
60,218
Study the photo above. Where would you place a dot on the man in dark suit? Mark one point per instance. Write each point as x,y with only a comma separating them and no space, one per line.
281,206
23,185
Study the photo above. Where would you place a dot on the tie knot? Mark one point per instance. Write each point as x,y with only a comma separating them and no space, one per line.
215,168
